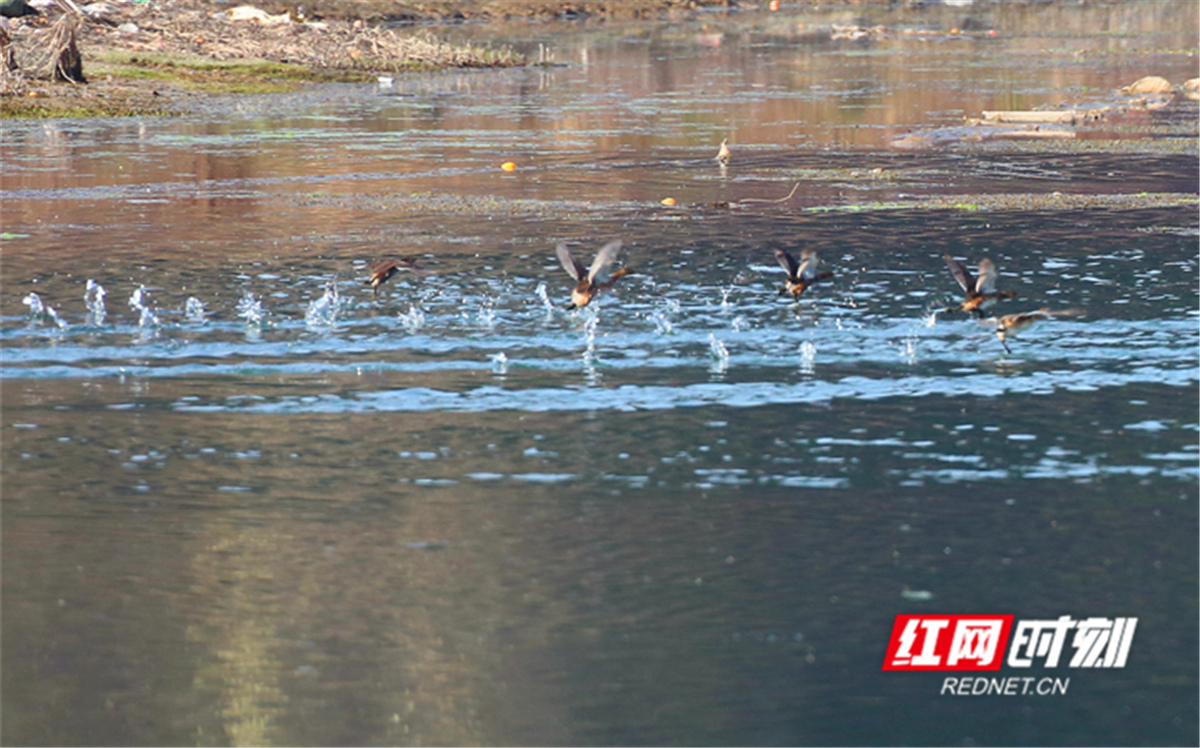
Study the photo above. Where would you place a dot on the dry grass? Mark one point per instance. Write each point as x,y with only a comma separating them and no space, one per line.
199,40
11,80
58,58
331,45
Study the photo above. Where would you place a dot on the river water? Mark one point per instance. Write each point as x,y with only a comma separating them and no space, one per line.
245,502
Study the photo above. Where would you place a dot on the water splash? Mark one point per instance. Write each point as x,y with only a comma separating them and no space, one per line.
194,310
39,312
427,297
540,292
36,307
137,302
589,328
725,294
412,320
808,357
251,309
908,348
93,298
590,373
500,363
719,353
324,311
930,318
662,324
487,314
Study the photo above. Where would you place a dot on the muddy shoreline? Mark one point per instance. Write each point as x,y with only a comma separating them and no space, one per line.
158,58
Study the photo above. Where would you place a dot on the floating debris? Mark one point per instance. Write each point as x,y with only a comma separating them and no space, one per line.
1151,84
783,199
1042,117
1153,92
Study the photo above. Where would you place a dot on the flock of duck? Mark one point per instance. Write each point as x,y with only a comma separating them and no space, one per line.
980,292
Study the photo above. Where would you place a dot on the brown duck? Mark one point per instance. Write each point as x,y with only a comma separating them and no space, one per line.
382,272
981,292
593,280
800,275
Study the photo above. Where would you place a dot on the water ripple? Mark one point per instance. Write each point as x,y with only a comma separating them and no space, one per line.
650,397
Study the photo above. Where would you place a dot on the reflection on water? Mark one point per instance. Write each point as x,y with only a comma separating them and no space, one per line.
246,502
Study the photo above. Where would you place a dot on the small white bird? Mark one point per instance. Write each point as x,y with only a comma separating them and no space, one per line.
723,153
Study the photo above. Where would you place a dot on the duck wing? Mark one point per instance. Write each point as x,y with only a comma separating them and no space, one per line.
960,273
574,267
808,264
788,263
604,258
986,283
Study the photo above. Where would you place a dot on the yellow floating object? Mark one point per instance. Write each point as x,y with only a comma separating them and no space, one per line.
668,201
508,166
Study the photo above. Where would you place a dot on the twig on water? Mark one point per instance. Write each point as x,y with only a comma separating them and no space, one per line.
776,200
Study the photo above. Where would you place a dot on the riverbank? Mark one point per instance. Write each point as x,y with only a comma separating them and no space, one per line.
155,57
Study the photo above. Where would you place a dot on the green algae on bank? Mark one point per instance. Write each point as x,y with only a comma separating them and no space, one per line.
1032,202
104,99
193,72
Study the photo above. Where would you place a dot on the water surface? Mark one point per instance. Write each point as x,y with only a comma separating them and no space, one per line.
246,502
